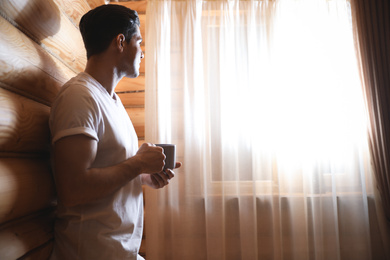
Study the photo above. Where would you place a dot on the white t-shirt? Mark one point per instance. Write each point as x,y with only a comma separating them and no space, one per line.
109,228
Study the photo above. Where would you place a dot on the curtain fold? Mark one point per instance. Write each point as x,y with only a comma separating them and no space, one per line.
372,39
264,102
373,32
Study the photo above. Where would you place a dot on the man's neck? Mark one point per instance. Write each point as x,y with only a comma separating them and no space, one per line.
104,73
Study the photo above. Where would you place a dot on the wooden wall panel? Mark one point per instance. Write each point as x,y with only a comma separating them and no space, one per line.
41,48
26,186
131,84
23,125
73,9
50,27
96,3
137,116
27,68
136,99
139,6
21,236
142,20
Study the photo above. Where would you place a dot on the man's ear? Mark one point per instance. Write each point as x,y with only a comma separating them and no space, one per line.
120,41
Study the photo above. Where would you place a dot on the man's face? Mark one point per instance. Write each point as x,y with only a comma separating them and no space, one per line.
133,55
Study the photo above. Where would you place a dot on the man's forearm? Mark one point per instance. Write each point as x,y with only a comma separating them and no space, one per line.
78,183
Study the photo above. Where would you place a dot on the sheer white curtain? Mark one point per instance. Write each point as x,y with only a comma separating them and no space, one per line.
264,102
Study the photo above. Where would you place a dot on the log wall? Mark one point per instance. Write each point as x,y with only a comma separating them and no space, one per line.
40,49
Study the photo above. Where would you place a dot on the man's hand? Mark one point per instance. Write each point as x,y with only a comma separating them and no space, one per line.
159,180
150,158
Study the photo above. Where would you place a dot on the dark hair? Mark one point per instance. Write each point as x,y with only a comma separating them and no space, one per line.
101,25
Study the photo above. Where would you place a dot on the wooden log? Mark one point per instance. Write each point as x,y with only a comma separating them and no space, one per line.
19,237
26,186
135,99
96,3
73,9
131,84
139,6
23,124
27,68
46,24
137,116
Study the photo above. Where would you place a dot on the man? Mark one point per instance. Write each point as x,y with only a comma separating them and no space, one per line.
98,168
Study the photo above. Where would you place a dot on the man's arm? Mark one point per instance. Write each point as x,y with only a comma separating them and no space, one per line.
77,183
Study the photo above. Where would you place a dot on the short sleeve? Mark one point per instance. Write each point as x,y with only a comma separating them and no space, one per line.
74,112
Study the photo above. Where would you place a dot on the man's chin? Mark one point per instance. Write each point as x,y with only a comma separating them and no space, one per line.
132,75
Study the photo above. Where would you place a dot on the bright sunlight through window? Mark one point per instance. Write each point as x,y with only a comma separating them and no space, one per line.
289,91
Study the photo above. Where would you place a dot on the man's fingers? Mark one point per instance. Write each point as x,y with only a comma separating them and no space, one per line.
169,173
159,180
178,165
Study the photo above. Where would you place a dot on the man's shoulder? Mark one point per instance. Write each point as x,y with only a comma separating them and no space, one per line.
81,81
77,86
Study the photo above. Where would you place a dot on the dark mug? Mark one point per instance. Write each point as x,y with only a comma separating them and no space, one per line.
170,154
